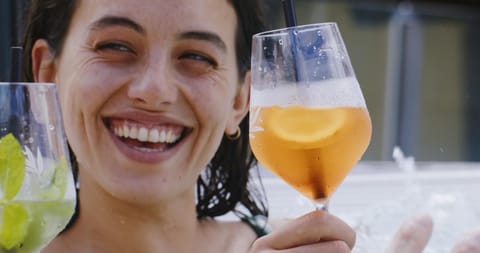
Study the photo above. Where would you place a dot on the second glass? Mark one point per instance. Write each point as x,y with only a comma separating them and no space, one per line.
309,123
37,191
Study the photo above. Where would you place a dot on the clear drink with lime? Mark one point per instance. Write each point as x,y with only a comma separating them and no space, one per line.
37,190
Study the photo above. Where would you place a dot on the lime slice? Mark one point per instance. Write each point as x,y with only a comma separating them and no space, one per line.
12,166
300,127
59,185
15,221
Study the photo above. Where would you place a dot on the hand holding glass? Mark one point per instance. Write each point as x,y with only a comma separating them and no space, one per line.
309,123
37,191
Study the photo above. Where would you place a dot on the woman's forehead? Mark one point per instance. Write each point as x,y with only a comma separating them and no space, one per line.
161,16
152,10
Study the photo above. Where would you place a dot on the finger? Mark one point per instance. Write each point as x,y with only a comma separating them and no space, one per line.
311,228
329,246
469,244
413,235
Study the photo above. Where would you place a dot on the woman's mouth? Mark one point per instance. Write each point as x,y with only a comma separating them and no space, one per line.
149,138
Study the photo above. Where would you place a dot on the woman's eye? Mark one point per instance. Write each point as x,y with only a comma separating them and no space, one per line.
196,64
116,52
199,57
114,46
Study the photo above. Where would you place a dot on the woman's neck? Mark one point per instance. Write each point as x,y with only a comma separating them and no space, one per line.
108,224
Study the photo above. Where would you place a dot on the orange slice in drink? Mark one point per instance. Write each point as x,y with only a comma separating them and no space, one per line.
303,127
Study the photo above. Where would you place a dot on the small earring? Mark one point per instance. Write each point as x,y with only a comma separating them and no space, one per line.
235,136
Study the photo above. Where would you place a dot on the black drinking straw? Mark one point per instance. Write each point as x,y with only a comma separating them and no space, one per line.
17,10
291,21
289,11
16,64
19,105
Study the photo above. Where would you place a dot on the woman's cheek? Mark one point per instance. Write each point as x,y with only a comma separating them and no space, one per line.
210,97
100,85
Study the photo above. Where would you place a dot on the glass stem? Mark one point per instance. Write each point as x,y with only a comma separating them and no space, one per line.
321,205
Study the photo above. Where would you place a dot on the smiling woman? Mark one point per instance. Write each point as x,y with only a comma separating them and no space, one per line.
160,147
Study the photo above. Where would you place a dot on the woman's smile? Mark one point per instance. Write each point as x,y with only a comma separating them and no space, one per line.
146,139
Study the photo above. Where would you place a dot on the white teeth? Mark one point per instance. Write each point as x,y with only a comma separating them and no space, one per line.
149,150
154,136
143,134
133,133
162,136
170,136
126,132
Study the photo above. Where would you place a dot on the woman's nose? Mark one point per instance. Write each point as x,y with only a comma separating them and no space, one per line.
154,88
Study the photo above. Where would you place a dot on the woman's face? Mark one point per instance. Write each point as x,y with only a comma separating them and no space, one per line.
147,89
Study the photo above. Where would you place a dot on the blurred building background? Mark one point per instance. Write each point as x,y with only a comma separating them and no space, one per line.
418,63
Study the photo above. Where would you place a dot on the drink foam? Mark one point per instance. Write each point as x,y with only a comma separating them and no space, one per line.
344,92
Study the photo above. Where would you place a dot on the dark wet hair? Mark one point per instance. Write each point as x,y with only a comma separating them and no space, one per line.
224,186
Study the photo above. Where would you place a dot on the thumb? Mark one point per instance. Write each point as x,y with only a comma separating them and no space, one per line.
413,235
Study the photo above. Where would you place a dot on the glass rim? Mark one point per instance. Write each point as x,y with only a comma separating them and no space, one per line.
29,84
287,30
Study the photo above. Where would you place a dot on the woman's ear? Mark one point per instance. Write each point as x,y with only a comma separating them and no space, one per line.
241,105
43,62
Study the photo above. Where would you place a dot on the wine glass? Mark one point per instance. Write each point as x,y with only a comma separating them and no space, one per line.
309,123
37,191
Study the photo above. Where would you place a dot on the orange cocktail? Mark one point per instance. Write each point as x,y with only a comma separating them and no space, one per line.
309,122
312,149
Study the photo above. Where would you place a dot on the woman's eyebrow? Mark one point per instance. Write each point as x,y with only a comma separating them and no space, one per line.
205,36
108,21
